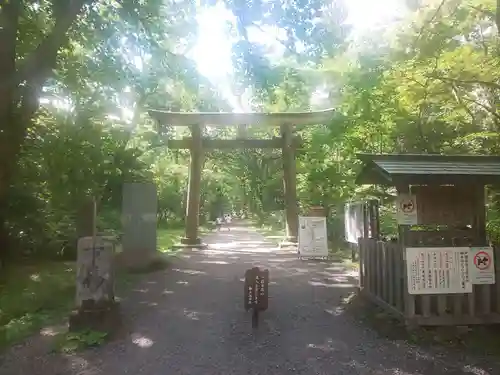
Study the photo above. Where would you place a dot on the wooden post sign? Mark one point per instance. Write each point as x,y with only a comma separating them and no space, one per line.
256,292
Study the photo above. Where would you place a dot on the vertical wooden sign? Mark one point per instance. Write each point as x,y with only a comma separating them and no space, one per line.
256,294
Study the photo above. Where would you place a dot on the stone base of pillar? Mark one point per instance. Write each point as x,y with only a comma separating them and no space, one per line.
103,316
288,243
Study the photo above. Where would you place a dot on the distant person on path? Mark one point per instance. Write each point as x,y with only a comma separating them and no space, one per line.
218,223
228,221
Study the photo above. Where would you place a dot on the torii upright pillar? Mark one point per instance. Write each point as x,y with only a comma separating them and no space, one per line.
191,238
290,184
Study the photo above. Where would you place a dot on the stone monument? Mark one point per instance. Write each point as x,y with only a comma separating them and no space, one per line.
139,220
96,308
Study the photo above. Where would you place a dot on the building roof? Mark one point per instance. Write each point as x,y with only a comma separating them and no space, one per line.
411,169
252,118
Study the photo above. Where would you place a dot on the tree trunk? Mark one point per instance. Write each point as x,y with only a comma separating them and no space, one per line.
12,134
20,84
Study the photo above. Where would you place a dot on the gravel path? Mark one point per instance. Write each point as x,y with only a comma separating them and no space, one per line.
189,319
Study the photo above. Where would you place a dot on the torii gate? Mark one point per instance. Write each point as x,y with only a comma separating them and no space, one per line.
197,144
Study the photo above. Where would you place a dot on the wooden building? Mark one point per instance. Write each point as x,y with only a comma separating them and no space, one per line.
445,214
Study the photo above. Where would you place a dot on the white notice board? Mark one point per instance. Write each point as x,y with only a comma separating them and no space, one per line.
438,270
312,237
482,265
407,209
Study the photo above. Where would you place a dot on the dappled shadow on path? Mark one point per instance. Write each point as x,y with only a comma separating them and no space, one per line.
189,319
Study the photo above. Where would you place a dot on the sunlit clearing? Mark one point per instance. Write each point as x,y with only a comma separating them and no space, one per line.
475,370
35,277
335,269
141,341
193,315
330,345
352,273
366,14
52,331
349,298
301,270
213,48
214,262
190,272
236,246
336,311
281,260
317,283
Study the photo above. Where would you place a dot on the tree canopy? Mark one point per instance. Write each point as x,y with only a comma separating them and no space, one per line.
76,79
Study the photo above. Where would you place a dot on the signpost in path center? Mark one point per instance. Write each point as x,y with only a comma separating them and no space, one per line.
256,292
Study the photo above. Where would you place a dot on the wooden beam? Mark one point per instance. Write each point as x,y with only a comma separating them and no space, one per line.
231,144
194,189
234,119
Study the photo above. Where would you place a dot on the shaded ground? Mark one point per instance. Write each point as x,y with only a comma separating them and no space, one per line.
35,294
189,319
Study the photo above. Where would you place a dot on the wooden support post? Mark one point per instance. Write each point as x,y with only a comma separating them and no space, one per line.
194,189
290,184
480,219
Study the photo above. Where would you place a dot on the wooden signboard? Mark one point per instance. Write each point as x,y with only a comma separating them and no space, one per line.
451,205
256,292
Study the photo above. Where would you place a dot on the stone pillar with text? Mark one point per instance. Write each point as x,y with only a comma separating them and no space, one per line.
139,220
95,308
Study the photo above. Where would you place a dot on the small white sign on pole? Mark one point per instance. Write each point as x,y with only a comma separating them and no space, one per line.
407,209
438,270
482,265
312,237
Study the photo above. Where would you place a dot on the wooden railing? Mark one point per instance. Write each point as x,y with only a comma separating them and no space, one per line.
383,280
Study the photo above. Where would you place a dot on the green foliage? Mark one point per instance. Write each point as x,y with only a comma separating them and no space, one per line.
32,296
74,341
168,238
432,86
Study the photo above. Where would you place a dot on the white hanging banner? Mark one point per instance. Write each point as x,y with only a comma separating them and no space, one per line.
353,222
407,209
438,270
482,265
312,237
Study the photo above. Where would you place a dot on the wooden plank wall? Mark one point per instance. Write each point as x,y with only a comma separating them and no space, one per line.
383,280
381,276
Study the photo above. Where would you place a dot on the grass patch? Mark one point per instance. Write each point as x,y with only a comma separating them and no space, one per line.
271,232
71,342
33,296
270,227
167,238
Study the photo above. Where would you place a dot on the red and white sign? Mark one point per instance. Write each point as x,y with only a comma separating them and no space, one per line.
407,209
482,260
482,269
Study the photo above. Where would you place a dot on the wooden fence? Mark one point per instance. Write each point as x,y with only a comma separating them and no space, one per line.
383,280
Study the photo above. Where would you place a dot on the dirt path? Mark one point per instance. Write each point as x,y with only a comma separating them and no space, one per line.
189,319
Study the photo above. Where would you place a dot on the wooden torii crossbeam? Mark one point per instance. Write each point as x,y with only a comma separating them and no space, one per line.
197,144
